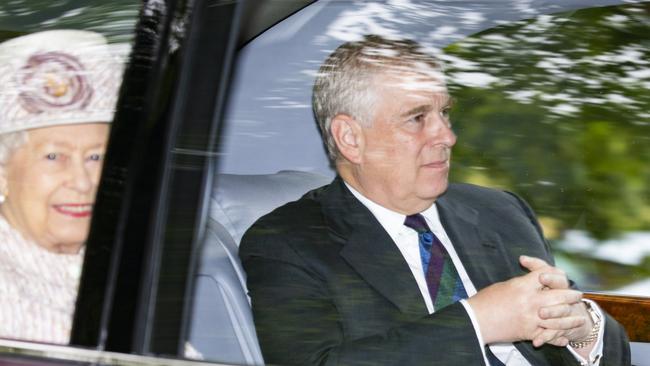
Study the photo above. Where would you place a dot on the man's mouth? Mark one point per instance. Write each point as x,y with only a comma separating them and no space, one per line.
75,209
437,164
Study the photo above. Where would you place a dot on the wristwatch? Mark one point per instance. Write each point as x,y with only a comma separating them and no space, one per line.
593,335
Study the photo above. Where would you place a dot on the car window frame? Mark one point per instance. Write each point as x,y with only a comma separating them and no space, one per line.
131,203
616,304
120,287
123,297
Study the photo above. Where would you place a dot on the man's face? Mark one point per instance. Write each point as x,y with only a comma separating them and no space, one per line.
407,150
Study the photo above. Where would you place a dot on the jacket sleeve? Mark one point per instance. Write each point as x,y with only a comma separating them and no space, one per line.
616,346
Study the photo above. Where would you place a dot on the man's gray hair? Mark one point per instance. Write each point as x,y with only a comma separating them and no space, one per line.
344,84
9,143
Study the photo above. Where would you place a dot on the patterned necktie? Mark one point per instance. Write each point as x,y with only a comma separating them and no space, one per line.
444,283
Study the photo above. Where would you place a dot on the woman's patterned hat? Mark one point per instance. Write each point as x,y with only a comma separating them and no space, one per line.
57,77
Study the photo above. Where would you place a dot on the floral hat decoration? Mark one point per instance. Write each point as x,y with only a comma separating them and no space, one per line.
57,77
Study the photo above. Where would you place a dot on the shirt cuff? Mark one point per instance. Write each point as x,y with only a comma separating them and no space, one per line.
597,352
477,329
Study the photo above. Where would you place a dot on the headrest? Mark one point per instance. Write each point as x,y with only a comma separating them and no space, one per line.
239,200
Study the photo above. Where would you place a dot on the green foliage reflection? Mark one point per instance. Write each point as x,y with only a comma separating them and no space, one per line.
115,19
557,109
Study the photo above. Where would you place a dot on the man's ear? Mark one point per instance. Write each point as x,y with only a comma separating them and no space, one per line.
348,136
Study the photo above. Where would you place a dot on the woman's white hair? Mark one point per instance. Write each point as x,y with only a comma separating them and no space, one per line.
344,84
9,143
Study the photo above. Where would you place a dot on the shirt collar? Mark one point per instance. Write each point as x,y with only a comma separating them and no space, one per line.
393,222
433,218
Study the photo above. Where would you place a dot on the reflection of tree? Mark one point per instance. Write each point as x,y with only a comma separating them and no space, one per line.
115,19
557,109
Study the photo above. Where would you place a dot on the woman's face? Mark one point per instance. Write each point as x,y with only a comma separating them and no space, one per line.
50,184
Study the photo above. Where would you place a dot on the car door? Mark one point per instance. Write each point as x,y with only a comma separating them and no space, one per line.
149,210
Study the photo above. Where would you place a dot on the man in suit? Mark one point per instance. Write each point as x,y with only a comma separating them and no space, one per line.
391,265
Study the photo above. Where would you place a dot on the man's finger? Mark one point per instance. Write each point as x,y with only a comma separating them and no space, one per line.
554,280
555,311
532,263
560,341
557,297
536,333
546,336
563,324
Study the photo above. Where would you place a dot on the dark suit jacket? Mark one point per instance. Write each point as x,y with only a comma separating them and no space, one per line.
330,287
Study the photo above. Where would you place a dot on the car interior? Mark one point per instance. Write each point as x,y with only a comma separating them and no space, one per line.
246,187
236,202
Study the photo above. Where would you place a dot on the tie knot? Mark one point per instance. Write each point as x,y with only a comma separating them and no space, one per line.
417,223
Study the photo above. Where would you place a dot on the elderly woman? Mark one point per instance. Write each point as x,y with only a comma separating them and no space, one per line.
57,96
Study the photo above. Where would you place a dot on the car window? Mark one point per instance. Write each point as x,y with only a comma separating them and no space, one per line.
556,110
56,103
550,105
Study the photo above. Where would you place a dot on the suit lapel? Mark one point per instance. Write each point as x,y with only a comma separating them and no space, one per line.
369,250
480,257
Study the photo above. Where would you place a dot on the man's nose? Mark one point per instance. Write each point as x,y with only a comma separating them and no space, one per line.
440,132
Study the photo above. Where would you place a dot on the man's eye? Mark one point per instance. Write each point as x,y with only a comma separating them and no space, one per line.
417,118
445,113
52,156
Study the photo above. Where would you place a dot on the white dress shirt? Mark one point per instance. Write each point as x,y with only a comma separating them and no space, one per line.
407,242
